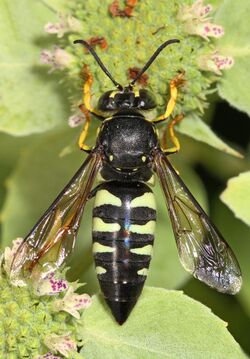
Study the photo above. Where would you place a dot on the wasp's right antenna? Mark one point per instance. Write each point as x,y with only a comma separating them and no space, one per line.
98,60
152,58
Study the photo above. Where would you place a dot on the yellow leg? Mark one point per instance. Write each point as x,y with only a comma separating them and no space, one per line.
86,98
84,133
86,107
174,84
174,139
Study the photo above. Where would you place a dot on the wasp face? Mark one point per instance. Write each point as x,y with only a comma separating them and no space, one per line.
126,99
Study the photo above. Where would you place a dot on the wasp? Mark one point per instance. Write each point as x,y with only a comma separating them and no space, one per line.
127,155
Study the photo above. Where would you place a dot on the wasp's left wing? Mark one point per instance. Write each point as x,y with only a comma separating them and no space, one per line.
202,250
53,237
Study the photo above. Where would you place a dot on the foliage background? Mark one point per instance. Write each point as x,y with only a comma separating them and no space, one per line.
34,110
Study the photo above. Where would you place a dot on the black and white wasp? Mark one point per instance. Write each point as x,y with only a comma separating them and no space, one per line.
126,156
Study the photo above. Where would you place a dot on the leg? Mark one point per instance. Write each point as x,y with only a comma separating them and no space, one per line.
86,107
174,139
174,84
86,99
84,133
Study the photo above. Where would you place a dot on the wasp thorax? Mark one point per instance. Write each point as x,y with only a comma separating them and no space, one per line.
126,99
127,141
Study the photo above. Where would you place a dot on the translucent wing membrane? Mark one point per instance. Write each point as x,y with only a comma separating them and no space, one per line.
202,250
52,238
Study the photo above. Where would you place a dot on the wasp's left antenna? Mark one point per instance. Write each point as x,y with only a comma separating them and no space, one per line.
100,63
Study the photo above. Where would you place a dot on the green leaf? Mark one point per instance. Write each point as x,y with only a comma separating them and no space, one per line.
31,100
56,5
199,130
39,175
237,235
164,324
234,86
237,196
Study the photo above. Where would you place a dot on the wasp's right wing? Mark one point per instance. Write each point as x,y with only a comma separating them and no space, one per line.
202,249
52,238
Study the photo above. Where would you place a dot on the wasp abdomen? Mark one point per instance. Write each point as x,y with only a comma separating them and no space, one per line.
124,217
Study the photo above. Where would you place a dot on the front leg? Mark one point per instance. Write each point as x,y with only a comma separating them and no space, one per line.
170,129
173,89
86,108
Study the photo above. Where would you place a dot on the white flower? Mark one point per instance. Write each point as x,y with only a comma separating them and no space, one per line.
66,24
57,58
77,119
51,284
73,302
215,63
62,344
196,20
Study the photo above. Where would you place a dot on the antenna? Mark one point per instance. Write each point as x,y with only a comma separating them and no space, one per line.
100,63
152,58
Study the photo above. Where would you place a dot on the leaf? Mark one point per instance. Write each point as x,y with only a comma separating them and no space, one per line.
199,130
164,324
233,16
31,100
237,196
237,235
56,5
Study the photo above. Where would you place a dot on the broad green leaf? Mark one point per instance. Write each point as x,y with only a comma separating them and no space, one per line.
163,324
227,307
199,130
237,234
39,177
56,5
237,196
234,86
31,100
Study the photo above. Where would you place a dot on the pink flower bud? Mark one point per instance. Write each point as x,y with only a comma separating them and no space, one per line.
215,63
50,285
67,24
76,120
57,59
61,343
73,302
48,356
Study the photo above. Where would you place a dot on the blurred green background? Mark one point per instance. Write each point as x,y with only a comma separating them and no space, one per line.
35,167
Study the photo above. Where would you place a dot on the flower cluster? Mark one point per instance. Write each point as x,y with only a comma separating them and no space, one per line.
39,319
139,27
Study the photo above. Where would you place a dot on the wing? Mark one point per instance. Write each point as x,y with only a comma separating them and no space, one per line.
53,237
202,250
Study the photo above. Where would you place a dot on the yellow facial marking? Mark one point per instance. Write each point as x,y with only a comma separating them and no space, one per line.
113,93
137,93
146,250
105,197
100,226
143,158
111,157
